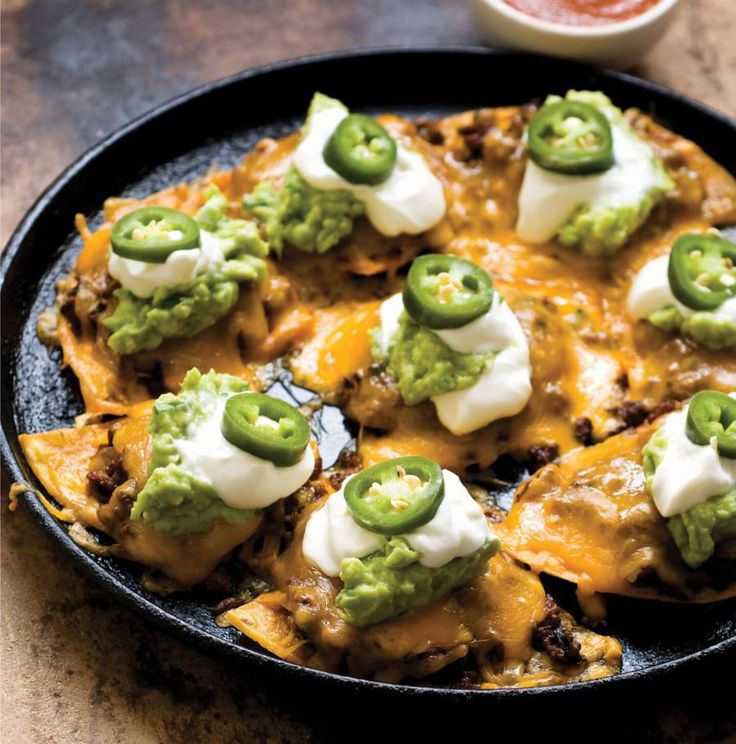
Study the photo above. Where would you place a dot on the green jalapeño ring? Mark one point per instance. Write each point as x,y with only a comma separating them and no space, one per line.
266,427
396,496
152,234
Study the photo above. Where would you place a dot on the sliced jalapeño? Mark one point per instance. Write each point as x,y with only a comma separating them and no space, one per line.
266,427
152,234
444,291
396,496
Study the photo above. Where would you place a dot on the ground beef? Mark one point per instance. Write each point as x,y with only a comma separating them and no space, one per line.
234,584
103,290
106,286
428,129
313,490
348,462
469,680
104,481
632,413
153,379
553,636
294,506
98,307
371,398
473,136
584,431
666,406
117,509
84,300
67,308
541,454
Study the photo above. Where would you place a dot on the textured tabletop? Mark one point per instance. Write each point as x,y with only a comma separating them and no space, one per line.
76,667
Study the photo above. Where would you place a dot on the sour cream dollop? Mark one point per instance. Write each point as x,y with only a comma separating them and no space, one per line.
689,473
504,387
241,480
180,267
548,199
651,291
411,200
458,528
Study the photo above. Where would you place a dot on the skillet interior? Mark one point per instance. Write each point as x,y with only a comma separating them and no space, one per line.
217,124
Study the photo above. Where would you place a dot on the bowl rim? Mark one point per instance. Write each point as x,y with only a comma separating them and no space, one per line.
602,31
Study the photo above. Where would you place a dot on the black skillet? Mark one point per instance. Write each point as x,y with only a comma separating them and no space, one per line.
217,124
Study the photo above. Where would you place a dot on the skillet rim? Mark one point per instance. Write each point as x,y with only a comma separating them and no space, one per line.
13,463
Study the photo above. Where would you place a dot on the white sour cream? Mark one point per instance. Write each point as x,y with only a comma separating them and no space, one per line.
180,267
410,201
651,291
689,473
726,311
494,330
503,389
331,535
458,528
548,199
389,313
241,480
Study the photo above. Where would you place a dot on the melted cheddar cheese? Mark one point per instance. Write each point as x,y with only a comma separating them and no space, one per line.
589,358
62,459
590,519
491,620
587,519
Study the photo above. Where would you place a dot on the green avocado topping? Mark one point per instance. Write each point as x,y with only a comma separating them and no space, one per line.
700,528
320,102
653,454
392,581
423,365
603,227
241,236
173,501
309,219
703,327
313,220
139,324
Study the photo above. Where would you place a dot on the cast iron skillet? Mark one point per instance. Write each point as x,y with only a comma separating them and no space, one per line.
217,124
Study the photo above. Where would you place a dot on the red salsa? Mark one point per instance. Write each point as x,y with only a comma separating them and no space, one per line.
583,12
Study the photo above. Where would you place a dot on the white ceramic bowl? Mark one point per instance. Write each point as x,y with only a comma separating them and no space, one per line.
619,44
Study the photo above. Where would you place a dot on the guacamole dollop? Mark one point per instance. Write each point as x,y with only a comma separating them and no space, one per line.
697,530
139,324
703,327
313,220
309,219
423,365
601,228
173,501
392,581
